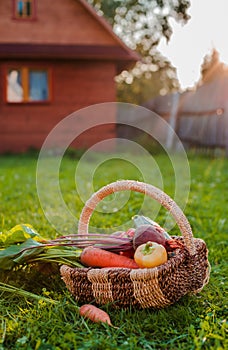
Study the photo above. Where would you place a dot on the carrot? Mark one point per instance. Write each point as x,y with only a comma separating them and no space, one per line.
96,257
94,314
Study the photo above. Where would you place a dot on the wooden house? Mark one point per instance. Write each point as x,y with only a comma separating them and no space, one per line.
200,116
55,58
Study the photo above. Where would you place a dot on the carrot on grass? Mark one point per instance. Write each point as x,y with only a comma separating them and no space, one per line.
96,257
94,314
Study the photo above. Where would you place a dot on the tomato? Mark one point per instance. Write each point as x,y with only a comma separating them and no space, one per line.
150,254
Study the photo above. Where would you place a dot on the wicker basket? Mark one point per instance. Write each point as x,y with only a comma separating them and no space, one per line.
187,272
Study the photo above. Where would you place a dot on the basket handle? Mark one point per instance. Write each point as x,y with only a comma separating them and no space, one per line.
147,189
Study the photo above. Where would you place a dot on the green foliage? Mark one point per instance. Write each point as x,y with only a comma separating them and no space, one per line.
146,81
141,25
22,245
18,234
195,322
18,253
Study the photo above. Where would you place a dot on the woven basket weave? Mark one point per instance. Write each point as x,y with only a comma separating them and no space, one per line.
187,272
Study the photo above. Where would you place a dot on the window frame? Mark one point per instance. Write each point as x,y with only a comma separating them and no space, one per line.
24,18
25,69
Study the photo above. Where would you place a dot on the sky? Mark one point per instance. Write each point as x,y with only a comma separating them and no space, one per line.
207,29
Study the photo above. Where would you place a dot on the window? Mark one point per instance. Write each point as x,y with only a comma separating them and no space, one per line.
24,9
27,85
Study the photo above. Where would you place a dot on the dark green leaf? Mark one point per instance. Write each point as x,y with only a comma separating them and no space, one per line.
25,255
16,254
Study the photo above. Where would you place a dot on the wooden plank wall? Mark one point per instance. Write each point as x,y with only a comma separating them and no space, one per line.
75,84
56,22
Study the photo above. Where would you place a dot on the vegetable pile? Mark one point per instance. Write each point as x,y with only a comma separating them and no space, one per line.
23,245
145,246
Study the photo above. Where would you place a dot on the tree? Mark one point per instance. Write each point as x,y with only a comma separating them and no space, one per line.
146,81
212,67
141,25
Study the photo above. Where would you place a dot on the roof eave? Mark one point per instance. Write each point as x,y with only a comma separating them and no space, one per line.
21,51
133,55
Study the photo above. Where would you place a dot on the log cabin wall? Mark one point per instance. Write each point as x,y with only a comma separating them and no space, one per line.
59,22
81,57
73,85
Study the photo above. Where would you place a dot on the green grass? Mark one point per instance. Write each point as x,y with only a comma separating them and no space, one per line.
195,322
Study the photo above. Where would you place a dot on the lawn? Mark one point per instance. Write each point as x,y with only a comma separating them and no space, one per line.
195,322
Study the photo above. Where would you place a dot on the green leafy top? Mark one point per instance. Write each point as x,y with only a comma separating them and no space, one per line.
19,234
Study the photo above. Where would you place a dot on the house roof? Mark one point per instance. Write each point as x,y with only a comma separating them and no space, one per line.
132,54
206,99
85,52
36,44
